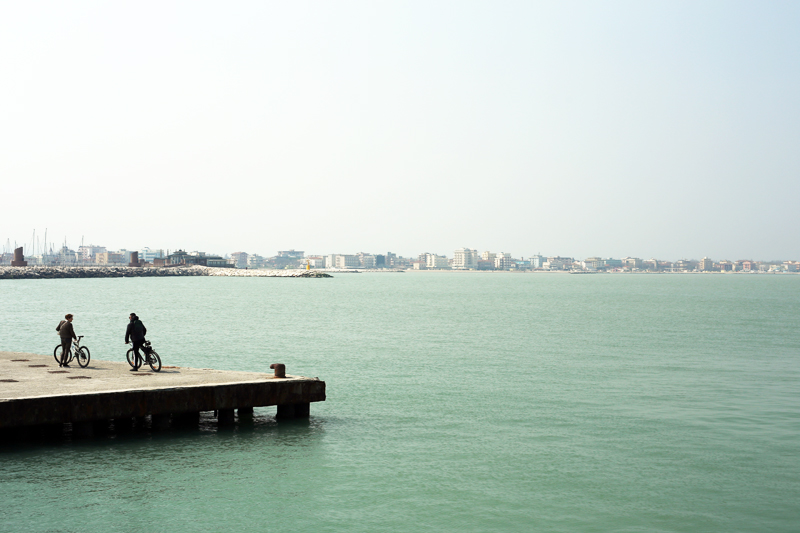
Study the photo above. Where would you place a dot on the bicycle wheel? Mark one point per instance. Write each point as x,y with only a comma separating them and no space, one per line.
130,356
154,361
57,353
83,357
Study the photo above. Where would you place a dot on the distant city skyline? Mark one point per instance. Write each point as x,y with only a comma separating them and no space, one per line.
88,247
654,129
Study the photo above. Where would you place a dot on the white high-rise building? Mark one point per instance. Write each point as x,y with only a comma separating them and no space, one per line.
347,261
465,258
436,261
706,264
502,261
239,259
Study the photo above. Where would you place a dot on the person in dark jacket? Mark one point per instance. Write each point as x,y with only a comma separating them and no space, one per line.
135,332
67,333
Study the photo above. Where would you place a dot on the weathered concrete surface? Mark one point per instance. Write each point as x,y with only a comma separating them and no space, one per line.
32,394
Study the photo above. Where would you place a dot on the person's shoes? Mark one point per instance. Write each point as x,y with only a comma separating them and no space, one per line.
66,366
134,369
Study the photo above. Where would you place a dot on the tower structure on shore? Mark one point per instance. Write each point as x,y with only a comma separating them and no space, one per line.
19,259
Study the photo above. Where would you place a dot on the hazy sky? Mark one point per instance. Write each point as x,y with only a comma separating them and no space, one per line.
650,129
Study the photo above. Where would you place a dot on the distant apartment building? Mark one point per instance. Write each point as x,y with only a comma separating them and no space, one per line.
293,254
366,260
706,265
148,255
488,256
109,258
485,264
593,263
401,262
88,254
726,266
536,261
126,255
433,261
503,261
633,262
685,264
558,263
239,259
316,261
346,261
67,256
747,266
255,261
465,258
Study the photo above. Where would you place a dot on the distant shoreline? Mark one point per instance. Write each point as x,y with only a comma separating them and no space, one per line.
80,272
638,272
90,272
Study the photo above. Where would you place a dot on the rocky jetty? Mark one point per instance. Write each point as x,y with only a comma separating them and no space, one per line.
259,273
56,272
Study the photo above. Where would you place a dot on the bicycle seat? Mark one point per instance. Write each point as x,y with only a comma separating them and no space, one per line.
80,337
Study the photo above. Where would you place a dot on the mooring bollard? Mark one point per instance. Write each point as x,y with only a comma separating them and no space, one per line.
280,370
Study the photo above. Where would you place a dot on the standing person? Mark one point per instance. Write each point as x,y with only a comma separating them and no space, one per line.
135,332
67,333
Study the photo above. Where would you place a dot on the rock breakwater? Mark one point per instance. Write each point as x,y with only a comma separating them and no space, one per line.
57,272
260,273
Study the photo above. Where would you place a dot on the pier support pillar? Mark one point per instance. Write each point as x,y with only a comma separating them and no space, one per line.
293,410
225,417
245,415
160,421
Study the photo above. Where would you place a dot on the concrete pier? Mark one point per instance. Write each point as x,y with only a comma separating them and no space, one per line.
34,392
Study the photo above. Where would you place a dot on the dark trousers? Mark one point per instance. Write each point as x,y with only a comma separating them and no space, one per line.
66,344
137,359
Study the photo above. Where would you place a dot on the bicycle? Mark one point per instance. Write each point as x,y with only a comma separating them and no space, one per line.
77,351
150,357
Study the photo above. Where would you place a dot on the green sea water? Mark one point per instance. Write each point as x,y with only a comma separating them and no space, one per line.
456,402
